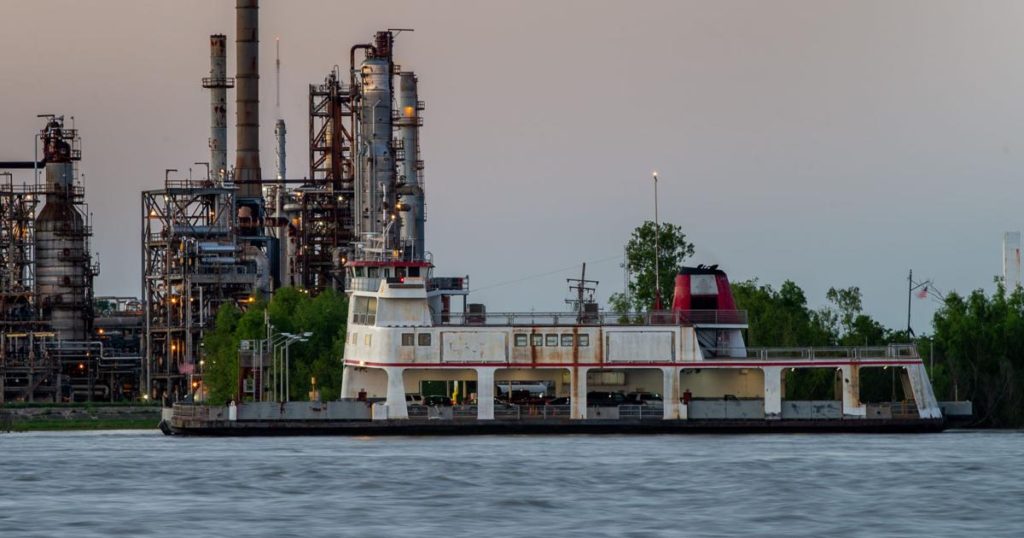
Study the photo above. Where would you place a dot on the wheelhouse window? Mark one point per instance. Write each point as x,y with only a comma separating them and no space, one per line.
537,339
424,339
583,340
567,340
521,340
364,311
551,340
408,339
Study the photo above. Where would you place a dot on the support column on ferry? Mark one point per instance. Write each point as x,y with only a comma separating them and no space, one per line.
670,393
921,388
772,392
579,393
396,394
485,393
851,392
348,389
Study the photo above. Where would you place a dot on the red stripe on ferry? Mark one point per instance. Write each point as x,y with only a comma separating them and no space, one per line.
357,362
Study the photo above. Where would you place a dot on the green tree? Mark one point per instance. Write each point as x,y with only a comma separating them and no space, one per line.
849,324
289,311
220,356
673,249
781,317
325,317
980,340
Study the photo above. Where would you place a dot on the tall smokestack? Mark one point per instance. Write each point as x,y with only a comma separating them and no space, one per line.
247,98
218,83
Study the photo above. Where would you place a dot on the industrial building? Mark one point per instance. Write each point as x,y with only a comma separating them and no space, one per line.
236,234
49,348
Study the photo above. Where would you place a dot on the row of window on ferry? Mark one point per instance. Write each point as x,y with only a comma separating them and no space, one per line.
521,340
551,340
408,339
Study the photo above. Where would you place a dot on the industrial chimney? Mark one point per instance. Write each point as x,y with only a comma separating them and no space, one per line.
218,84
247,99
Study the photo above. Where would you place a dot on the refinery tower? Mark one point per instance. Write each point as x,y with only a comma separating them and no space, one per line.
231,236
54,344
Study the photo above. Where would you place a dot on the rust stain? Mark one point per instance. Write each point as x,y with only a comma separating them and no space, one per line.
575,343
533,348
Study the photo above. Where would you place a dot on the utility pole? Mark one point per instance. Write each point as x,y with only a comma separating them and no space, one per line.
584,294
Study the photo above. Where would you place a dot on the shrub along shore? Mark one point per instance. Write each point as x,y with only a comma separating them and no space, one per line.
72,417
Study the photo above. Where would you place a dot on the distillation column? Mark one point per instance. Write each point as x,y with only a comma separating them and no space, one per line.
411,189
63,268
375,192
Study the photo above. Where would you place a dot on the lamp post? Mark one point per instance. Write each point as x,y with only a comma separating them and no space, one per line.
274,343
911,288
290,339
657,249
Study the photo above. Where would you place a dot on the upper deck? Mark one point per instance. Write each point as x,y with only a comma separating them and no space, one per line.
705,318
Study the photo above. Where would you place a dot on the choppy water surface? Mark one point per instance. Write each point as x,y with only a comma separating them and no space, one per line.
145,484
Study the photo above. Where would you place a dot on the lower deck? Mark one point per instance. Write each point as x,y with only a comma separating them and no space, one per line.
499,427
897,387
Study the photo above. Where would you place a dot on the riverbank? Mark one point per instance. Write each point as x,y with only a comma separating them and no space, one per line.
77,417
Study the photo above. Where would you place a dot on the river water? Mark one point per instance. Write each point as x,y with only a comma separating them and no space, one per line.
958,483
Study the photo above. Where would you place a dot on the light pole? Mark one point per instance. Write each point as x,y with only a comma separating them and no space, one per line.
911,288
657,249
291,339
274,344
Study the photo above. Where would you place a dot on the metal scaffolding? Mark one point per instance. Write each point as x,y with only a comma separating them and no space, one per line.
192,263
323,225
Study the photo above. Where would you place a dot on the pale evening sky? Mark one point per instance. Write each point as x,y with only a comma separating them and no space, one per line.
832,143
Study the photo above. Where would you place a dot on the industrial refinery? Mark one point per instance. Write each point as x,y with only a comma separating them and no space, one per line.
231,236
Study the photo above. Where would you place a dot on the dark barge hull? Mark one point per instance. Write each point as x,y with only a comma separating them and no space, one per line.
519,427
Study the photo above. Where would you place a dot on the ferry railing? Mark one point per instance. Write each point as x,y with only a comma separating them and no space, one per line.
464,412
417,411
904,410
890,352
507,412
527,319
641,412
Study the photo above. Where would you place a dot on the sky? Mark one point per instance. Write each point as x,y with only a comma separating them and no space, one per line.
833,143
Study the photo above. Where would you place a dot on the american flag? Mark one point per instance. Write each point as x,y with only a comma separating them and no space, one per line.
923,294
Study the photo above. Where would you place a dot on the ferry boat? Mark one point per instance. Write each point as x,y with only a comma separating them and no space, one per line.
691,360
685,369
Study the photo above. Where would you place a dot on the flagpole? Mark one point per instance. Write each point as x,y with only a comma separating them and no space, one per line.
910,291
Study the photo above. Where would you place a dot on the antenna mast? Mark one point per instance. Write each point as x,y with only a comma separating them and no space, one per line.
584,290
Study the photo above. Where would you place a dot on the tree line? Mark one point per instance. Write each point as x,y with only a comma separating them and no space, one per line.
289,311
975,351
